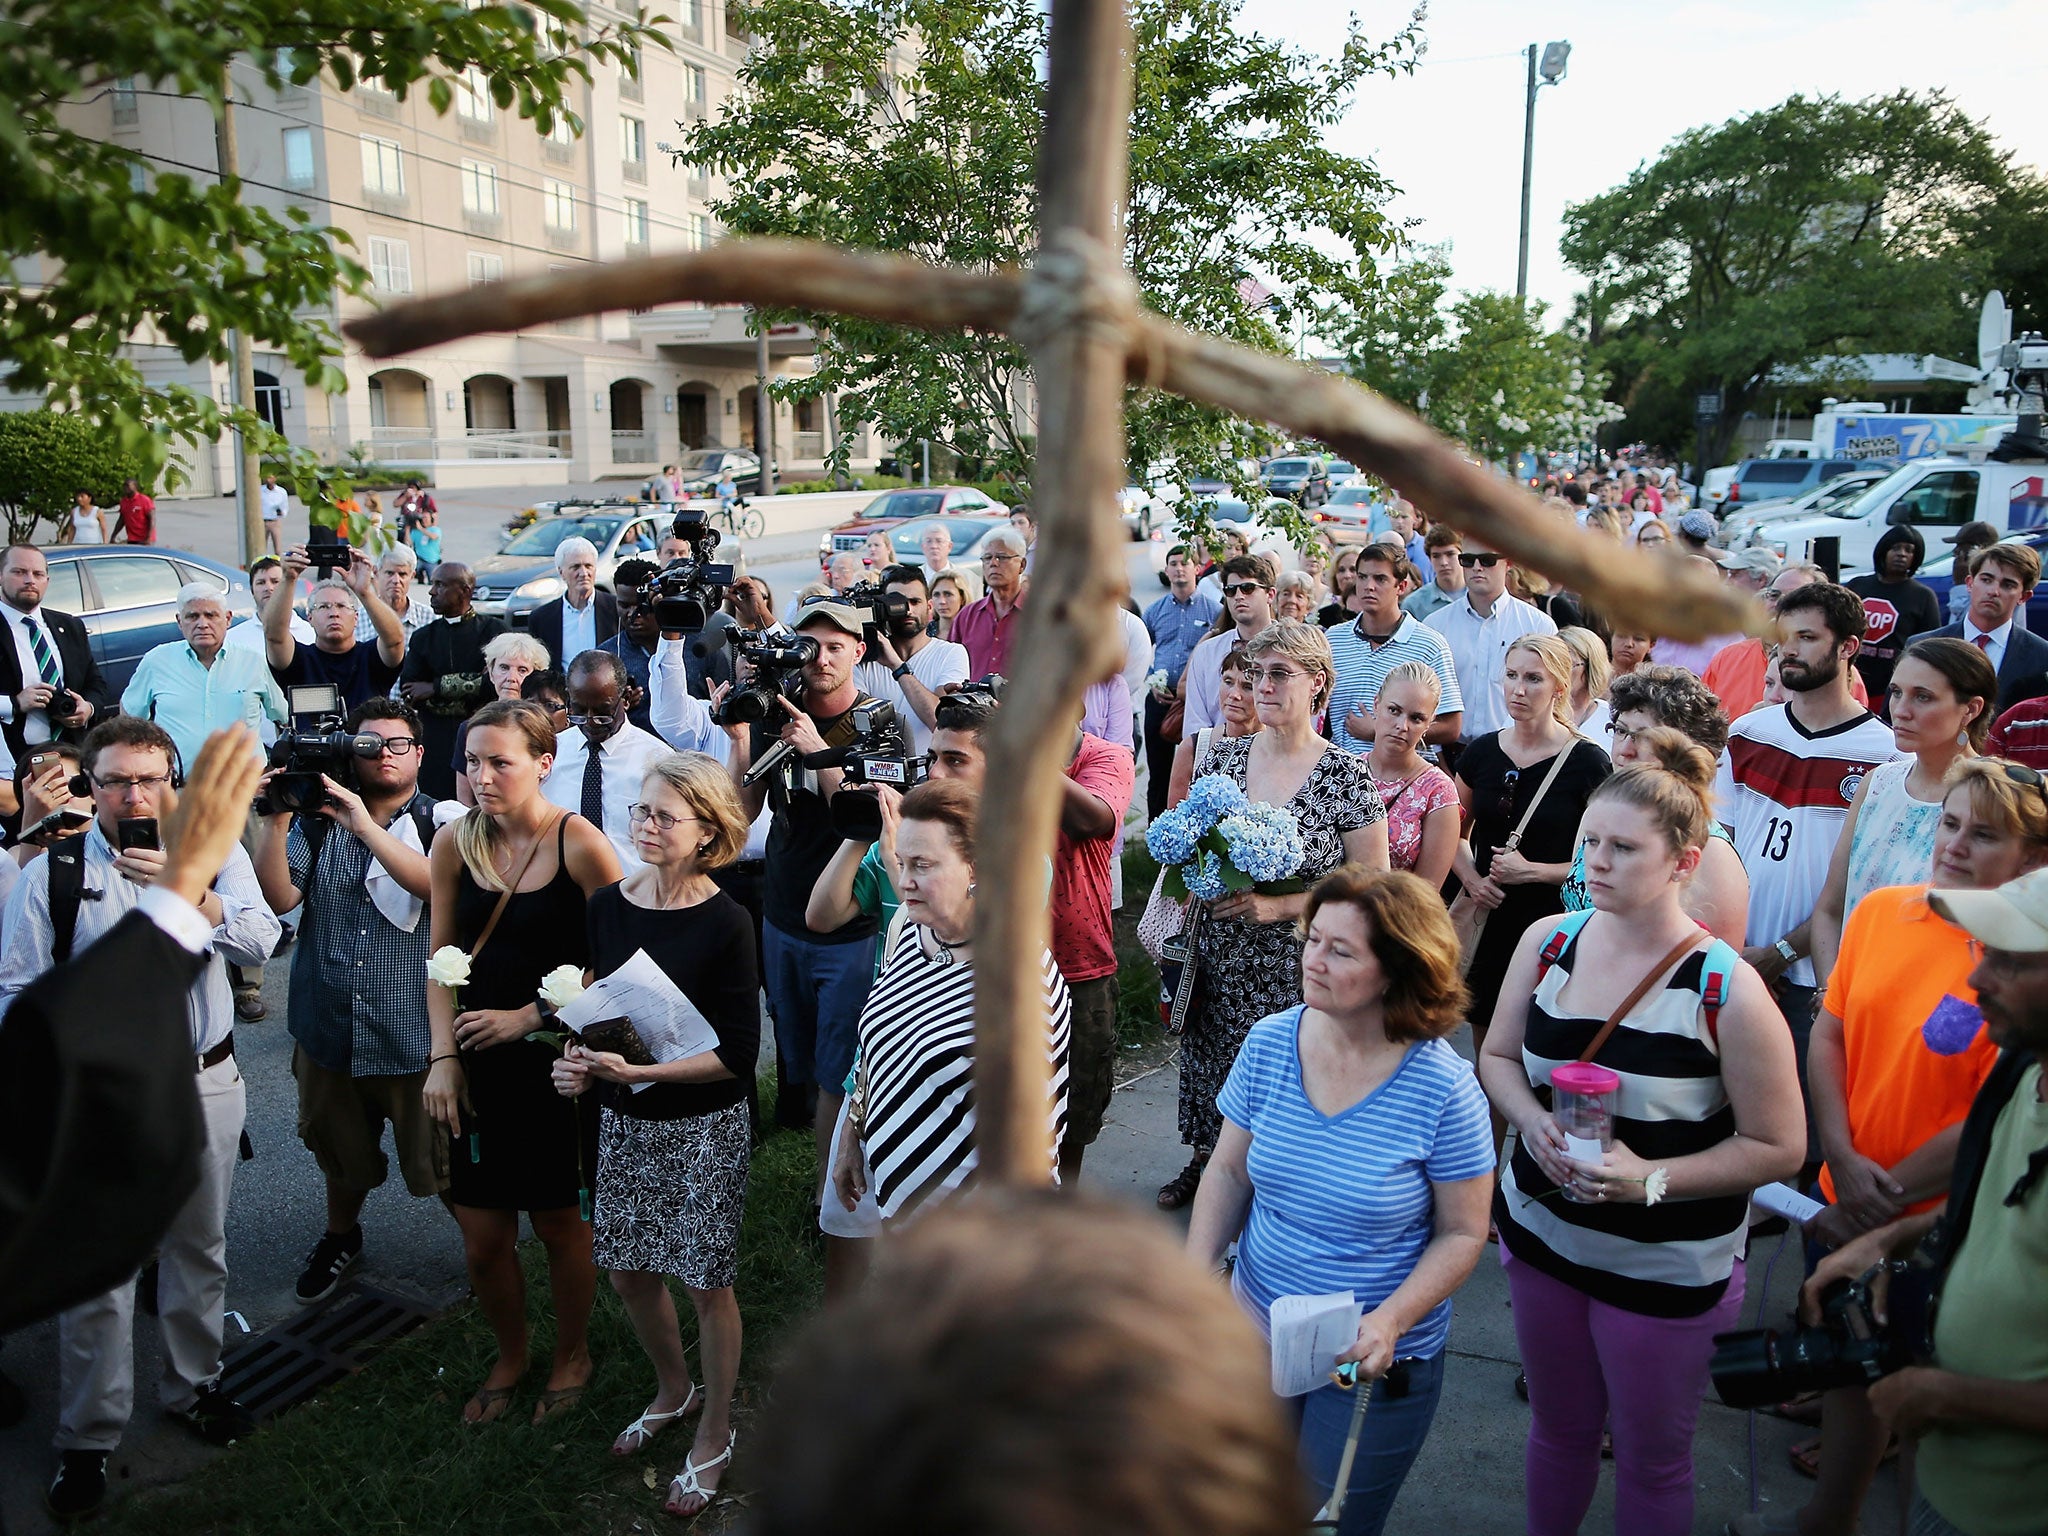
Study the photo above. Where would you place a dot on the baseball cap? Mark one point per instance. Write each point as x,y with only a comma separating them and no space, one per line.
2014,917
1696,525
840,615
1761,561
1976,533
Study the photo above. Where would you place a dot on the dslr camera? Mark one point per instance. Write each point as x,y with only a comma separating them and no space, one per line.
880,754
1756,1367
315,744
688,588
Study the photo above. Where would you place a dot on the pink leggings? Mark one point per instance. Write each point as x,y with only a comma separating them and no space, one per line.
1591,1366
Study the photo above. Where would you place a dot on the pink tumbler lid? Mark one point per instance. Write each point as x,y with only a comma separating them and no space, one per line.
1584,1077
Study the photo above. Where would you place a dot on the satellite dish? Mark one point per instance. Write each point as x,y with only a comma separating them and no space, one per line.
1994,330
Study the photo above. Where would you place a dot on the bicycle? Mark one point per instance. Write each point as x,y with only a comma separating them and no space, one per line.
739,518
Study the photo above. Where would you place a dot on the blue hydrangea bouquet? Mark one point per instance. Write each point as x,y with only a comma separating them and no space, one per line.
1216,840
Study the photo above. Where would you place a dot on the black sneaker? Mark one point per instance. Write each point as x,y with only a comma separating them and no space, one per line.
215,1417
80,1486
333,1256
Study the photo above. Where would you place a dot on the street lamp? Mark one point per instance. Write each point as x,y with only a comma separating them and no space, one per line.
1551,68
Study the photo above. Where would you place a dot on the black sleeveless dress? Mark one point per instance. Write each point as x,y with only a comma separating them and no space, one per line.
522,1140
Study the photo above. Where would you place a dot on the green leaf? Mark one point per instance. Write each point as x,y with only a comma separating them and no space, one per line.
440,95
1175,887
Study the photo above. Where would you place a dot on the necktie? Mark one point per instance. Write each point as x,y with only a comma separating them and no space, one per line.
593,788
46,659
1982,642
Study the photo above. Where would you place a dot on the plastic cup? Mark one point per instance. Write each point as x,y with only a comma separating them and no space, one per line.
1582,1103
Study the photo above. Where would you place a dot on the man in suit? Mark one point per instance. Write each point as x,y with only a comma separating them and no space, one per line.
2002,578
49,683
582,618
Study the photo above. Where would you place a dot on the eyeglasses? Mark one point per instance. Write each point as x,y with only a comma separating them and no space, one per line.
398,746
2020,773
1622,732
1242,587
637,813
1279,677
1489,561
1000,557
576,719
122,786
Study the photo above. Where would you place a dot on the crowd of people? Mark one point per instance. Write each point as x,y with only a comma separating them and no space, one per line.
1781,937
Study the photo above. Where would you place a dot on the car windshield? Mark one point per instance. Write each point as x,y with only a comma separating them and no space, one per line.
1350,496
1836,491
905,504
1876,493
1775,472
1341,467
1288,467
1228,511
966,531
544,537
700,460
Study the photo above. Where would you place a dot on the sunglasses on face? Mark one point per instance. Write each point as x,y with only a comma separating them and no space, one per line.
1243,587
1489,561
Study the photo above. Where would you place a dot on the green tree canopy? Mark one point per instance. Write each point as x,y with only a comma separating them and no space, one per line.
1479,368
45,458
184,260
1813,230
844,129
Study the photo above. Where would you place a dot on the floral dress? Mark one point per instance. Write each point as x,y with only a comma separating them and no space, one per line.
1250,970
1409,803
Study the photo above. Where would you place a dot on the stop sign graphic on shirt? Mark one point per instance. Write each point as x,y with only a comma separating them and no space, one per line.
1880,618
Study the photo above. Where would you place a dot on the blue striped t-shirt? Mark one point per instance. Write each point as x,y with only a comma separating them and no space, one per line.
1344,1202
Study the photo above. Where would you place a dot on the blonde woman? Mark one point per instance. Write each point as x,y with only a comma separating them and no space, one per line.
1591,673
510,884
673,1140
1420,799
953,590
1500,777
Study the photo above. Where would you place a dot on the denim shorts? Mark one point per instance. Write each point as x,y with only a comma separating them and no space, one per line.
816,992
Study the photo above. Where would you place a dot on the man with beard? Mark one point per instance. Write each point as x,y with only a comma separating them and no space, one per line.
443,678
911,668
1896,609
1785,782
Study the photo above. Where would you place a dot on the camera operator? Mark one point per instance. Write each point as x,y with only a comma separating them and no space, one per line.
49,683
816,981
1980,1410
909,667
357,868
64,902
336,657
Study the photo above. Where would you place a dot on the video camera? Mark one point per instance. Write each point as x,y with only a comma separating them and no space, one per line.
688,588
773,660
315,744
1755,1367
881,755
883,608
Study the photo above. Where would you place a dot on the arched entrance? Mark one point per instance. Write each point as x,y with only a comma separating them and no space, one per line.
399,399
487,403
696,407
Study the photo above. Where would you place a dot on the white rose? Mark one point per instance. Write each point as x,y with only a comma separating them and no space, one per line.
448,967
562,986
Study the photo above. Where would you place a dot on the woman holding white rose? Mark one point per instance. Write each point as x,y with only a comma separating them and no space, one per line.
510,884
673,1154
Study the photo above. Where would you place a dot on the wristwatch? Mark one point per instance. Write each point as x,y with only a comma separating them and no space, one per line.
901,668
1791,955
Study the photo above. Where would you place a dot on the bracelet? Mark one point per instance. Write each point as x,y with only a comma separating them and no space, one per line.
451,1056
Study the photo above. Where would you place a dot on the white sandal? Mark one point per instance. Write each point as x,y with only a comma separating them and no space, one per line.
650,1424
685,1483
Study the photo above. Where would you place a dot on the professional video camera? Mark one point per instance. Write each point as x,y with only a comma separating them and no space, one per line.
880,754
883,608
315,744
687,589
773,660
1756,1367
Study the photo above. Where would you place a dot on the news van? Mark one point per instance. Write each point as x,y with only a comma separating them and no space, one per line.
1936,496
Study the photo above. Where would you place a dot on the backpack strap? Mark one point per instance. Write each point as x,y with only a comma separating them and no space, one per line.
67,890
1717,978
1560,940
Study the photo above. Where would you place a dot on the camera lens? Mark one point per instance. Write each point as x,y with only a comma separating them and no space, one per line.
857,815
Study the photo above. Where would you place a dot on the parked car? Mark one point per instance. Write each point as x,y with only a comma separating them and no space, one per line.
1353,506
521,575
1936,496
1939,573
896,506
1142,510
1302,478
701,467
1343,472
128,597
1740,528
1776,479
1268,535
970,534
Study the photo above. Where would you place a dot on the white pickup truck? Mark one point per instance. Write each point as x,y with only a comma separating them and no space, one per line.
1936,496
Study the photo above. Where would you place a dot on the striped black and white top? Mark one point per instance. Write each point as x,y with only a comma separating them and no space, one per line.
1672,1259
917,1063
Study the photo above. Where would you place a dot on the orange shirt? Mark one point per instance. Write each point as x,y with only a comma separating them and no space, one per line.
1915,1043
1736,677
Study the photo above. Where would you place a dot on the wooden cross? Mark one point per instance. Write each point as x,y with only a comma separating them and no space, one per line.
1076,311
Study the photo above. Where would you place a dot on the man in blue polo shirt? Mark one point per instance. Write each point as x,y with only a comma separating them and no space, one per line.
1177,622
1376,642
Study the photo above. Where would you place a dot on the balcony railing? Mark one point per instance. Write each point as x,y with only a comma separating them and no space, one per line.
417,445
635,447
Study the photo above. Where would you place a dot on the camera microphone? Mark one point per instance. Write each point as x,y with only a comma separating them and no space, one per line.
770,760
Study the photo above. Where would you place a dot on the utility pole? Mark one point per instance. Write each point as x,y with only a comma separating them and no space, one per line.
1554,56
764,410
247,473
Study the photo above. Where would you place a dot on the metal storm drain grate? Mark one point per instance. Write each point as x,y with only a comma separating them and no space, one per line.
286,1364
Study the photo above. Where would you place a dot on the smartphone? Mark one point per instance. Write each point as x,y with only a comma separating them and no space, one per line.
38,761
61,822
137,832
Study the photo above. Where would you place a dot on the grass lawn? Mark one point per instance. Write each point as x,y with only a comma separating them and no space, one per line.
385,1450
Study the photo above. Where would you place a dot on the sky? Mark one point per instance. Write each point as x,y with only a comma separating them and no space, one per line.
1640,74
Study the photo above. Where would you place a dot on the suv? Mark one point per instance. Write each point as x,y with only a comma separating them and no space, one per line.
1782,479
1936,496
1302,478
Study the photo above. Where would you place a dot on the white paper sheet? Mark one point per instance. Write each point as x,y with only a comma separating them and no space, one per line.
640,990
1308,1333
1584,1149
1784,1200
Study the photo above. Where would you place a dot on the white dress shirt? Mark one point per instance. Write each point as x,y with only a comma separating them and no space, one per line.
1999,637
35,727
579,629
678,716
1479,650
627,754
275,501
246,934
